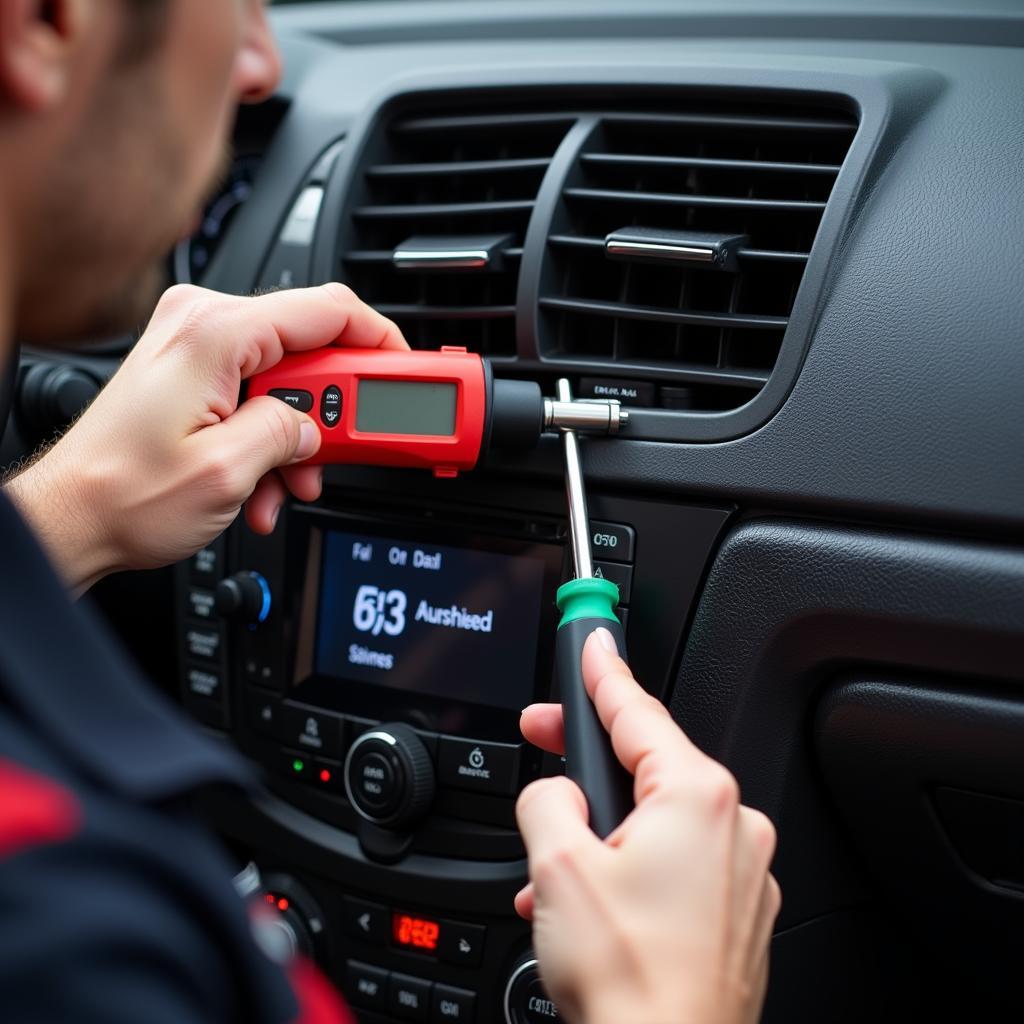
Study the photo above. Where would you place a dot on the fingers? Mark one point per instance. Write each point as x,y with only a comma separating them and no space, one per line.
542,725
246,335
305,482
259,436
645,738
524,902
552,816
264,505
307,318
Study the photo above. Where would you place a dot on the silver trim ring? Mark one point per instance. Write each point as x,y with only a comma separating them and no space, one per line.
507,1002
376,734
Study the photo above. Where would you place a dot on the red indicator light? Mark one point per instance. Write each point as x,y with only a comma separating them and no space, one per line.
283,904
415,932
325,775
269,897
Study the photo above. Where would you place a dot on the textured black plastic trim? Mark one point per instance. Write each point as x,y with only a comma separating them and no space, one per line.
789,606
886,748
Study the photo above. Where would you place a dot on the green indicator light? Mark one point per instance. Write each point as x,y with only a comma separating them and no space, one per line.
298,766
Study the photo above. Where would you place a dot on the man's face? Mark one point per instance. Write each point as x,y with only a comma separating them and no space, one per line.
134,157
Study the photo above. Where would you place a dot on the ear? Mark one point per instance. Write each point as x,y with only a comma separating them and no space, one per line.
35,51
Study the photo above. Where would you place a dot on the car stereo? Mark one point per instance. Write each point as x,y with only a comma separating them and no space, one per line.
379,667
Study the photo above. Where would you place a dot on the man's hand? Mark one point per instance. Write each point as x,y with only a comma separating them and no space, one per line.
164,458
668,921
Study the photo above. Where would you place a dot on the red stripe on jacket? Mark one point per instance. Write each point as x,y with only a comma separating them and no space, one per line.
34,810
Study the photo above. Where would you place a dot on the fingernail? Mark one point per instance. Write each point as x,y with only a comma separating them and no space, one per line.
273,518
606,639
309,437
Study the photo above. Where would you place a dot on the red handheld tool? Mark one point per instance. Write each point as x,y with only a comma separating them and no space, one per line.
428,410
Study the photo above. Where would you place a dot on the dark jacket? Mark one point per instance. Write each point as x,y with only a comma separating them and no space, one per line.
115,904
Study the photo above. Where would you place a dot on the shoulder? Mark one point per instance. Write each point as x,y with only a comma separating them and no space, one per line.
117,911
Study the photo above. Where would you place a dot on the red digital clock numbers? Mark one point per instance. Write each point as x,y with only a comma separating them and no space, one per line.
415,932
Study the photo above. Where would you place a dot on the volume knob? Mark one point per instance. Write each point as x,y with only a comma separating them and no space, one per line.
245,597
389,777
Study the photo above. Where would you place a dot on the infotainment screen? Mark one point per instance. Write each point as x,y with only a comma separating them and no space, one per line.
457,623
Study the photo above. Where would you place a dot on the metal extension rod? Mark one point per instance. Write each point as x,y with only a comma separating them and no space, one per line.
579,522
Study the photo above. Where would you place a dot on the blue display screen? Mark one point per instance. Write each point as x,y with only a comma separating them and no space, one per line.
450,622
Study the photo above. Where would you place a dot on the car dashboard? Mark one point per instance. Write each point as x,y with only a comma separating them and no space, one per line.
788,239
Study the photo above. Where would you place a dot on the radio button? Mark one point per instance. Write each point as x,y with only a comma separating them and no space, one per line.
491,768
456,1004
461,944
295,397
389,778
203,643
376,782
620,575
205,683
366,986
295,765
328,775
526,1001
205,565
264,714
317,732
367,922
613,542
201,602
408,997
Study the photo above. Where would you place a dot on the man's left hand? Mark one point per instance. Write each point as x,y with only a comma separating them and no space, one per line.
164,458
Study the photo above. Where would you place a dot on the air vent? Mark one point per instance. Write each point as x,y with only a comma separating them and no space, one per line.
680,241
434,236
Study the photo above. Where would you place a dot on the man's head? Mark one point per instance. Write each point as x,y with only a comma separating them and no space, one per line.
114,117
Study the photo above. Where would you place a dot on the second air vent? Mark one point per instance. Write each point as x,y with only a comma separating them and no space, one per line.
680,240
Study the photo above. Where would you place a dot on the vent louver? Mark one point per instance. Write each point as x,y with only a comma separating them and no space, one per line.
431,184
755,179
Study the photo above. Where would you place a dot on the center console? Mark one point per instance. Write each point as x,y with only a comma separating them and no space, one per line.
372,658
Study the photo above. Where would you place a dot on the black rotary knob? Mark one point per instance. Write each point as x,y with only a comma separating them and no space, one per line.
526,1001
295,925
245,597
389,777
52,395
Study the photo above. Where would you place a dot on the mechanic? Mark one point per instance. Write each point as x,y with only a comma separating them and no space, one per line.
115,904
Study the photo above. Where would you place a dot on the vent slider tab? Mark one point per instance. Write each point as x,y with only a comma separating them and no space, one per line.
451,252
709,249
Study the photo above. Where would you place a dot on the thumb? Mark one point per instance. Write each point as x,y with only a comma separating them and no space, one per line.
261,435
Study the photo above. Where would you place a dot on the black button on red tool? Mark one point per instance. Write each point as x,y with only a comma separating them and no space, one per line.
330,406
295,397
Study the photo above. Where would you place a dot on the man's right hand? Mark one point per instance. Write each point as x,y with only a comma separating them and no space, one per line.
669,920
164,458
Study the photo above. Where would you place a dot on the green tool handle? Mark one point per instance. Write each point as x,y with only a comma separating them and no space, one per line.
590,760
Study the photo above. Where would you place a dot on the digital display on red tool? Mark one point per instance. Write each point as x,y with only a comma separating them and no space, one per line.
410,408
417,933
450,622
